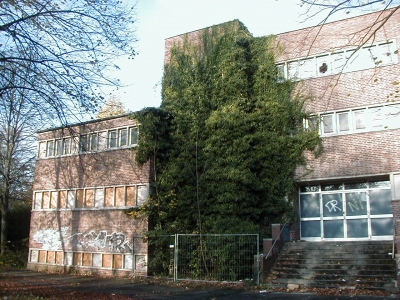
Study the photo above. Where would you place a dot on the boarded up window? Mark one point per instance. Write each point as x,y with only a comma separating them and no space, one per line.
117,261
107,260
59,257
79,198
46,200
38,200
119,196
130,196
86,259
54,200
109,197
42,256
77,259
50,257
89,198
63,199
99,198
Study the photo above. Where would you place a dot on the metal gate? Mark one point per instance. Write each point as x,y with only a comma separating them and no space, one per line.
216,257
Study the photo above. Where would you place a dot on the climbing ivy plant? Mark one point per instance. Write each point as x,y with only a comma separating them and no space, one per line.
226,139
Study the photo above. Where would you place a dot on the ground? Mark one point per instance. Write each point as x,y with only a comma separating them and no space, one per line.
23,285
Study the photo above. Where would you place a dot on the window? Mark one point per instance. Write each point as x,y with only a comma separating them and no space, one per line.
123,137
133,135
66,146
112,139
89,142
382,117
50,148
327,123
91,198
347,60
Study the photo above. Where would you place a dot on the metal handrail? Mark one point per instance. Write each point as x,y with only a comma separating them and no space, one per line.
275,241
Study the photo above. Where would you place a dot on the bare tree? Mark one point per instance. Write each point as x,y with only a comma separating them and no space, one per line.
61,52
17,143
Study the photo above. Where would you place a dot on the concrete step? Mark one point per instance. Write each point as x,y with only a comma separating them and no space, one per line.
334,264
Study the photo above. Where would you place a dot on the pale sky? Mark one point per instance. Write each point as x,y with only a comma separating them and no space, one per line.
161,19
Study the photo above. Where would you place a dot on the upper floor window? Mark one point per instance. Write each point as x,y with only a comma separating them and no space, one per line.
358,120
90,142
349,60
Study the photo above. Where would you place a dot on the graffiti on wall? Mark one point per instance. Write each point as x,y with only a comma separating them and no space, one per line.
92,241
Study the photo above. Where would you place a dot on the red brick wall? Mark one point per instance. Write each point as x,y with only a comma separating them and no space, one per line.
84,232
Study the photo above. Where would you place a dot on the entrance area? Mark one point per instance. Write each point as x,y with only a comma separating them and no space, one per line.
346,211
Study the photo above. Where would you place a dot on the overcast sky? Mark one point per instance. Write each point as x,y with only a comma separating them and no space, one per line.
161,19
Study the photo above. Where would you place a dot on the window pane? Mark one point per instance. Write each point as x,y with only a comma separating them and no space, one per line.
280,73
67,146
38,200
123,138
332,187
54,200
93,142
380,202
379,184
356,204
83,143
112,139
133,135
309,188
376,117
59,148
343,119
311,229
327,123
42,149
310,205
333,205
50,148
392,116
382,226
293,70
355,185
359,117
308,68
357,228
333,229
46,200
385,54
71,199
63,199
143,193
99,198
338,62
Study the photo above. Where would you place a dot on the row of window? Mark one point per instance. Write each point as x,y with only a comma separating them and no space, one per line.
339,62
95,141
357,120
85,259
91,198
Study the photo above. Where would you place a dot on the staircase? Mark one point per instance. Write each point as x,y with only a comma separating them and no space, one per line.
367,265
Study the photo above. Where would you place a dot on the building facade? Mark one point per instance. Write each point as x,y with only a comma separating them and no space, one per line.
350,69
85,177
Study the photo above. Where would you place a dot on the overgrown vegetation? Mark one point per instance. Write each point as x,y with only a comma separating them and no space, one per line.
227,138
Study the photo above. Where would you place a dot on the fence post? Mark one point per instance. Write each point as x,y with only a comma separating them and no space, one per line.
176,258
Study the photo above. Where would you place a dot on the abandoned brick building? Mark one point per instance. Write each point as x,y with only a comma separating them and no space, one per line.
85,177
349,193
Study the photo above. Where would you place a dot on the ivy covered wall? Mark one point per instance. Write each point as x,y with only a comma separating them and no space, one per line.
226,139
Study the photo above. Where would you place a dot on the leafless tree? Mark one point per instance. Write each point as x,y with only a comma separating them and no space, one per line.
61,52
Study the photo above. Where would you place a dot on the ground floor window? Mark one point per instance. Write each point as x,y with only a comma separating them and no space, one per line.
346,211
